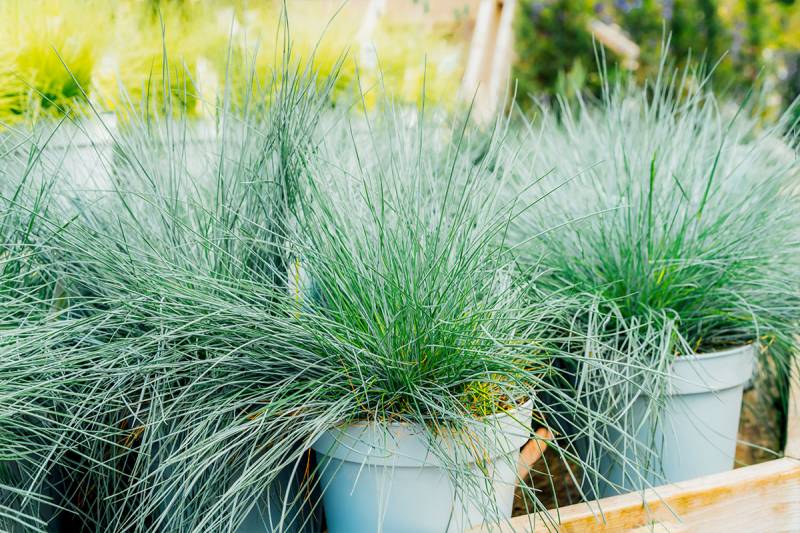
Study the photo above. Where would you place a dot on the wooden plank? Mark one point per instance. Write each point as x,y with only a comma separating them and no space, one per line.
480,51
372,14
501,59
759,498
763,497
490,56
532,452
612,37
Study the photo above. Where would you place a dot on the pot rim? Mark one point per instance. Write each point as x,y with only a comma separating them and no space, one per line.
365,442
527,404
717,353
712,372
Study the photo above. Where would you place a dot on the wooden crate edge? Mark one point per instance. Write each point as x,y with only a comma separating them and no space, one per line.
763,497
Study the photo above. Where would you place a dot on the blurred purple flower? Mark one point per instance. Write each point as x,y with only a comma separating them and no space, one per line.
666,10
627,5
535,9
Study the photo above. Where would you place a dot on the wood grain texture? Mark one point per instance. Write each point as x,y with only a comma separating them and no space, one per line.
474,85
532,452
502,56
760,498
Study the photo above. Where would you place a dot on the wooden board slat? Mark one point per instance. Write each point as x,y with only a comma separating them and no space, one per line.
474,84
501,58
759,498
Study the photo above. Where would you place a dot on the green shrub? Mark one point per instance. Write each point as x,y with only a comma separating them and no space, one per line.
554,43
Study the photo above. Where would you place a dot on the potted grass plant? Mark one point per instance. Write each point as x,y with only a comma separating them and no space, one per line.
176,281
680,250
433,356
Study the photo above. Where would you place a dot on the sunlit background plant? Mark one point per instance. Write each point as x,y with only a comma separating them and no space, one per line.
47,57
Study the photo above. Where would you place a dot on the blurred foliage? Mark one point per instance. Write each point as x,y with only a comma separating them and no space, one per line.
553,44
191,52
405,59
34,81
155,52
748,41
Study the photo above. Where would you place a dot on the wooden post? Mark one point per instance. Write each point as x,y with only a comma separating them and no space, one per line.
532,452
372,15
480,53
490,56
612,37
501,59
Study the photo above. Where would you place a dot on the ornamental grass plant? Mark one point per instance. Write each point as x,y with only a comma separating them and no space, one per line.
142,372
207,323
679,237
43,397
406,284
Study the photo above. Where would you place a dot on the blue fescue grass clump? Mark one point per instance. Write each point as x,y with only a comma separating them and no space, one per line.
29,296
397,244
415,306
192,367
680,233
169,337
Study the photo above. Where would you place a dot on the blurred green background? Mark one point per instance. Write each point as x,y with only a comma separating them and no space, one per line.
751,42
107,45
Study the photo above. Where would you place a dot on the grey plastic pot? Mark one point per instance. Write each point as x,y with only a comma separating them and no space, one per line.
696,432
377,477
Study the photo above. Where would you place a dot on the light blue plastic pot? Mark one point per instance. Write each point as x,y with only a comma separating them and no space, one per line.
386,478
696,434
